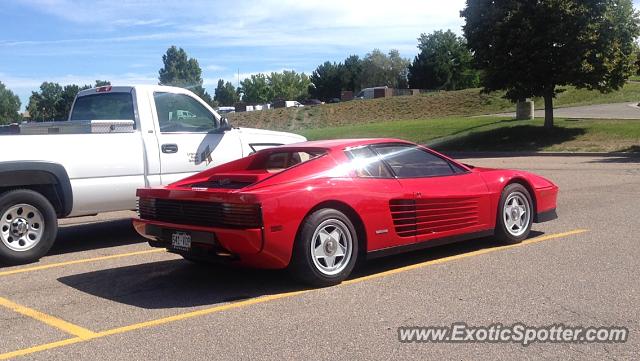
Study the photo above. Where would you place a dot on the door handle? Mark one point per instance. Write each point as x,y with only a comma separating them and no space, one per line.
169,148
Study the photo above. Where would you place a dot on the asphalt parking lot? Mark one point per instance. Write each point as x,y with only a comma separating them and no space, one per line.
104,294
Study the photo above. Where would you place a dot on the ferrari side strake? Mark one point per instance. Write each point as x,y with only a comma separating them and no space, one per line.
318,207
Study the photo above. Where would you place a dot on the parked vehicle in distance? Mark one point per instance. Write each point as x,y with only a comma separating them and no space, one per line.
286,104
317,207
369,93
312,102
226,110
117,139
334,100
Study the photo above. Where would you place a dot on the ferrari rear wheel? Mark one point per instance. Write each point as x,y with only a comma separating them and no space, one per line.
515,214
326,249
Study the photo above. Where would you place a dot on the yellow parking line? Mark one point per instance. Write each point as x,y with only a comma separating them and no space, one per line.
202,312
236,305
78,261
43,347
463,255
63,325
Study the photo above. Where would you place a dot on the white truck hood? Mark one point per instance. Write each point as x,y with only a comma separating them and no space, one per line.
287,138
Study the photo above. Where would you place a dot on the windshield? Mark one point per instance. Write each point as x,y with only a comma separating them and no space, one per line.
103,106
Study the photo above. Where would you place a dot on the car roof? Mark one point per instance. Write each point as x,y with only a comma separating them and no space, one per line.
339,144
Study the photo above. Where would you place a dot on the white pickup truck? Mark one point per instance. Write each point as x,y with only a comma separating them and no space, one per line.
117,139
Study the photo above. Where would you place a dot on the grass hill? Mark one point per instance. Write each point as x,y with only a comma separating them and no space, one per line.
425,106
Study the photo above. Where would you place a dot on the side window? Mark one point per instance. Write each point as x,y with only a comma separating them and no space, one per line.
367,164
412,162
182,113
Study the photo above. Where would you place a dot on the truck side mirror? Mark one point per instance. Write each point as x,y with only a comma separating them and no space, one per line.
224,125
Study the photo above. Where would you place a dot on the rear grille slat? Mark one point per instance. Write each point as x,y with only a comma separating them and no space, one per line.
425,216
206,214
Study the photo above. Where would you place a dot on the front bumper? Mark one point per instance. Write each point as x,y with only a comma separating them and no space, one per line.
546,216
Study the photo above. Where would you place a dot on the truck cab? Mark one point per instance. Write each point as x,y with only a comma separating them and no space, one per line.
116,139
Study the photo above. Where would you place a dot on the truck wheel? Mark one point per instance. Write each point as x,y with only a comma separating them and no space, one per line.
28,226
326,249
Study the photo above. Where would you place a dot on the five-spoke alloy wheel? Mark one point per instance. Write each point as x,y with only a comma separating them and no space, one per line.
515,214
332,247
326,248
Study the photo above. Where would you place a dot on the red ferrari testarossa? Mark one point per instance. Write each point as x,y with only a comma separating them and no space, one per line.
317,207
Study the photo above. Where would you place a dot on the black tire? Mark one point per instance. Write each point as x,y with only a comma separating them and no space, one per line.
48,230
517,233
304,268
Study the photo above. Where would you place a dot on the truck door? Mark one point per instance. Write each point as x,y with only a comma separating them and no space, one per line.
188,139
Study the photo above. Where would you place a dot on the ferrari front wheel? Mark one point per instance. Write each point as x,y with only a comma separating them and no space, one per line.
326,249
515,214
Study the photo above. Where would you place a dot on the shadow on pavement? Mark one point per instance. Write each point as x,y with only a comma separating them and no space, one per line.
89,236
515,138
617,159
181,284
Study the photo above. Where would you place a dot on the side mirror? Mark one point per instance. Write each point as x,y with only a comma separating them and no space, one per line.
224,125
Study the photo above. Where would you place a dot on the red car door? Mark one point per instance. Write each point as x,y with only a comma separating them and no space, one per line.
447,200
376,185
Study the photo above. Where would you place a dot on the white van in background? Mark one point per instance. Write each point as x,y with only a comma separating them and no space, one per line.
369,93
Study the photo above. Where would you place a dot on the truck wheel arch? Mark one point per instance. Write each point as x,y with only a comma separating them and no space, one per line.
38,175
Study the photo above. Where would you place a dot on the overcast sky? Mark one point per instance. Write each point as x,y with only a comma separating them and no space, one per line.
69,41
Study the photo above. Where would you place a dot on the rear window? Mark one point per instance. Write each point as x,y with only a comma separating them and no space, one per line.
104,106
277,162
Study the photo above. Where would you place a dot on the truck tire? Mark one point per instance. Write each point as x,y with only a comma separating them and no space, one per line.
28,226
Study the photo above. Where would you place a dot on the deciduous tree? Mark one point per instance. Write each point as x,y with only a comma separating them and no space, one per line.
444,62
530,48
256,89
226,94
181,71
289,85
9,105
380,69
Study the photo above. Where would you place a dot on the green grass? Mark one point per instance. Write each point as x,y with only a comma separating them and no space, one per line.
498,134
575,97
425,106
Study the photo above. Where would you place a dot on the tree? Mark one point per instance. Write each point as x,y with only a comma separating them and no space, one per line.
181,71
226,94
530,48
68,94
444,62
256,89
9,105
380,69
327,80
289,85
53,102
44,105
351,73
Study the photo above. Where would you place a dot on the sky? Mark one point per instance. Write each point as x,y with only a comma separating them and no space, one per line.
77,42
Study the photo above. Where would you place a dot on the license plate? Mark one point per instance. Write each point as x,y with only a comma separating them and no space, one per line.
181,241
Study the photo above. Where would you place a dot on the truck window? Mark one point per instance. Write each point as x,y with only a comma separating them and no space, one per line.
103,106
182,113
